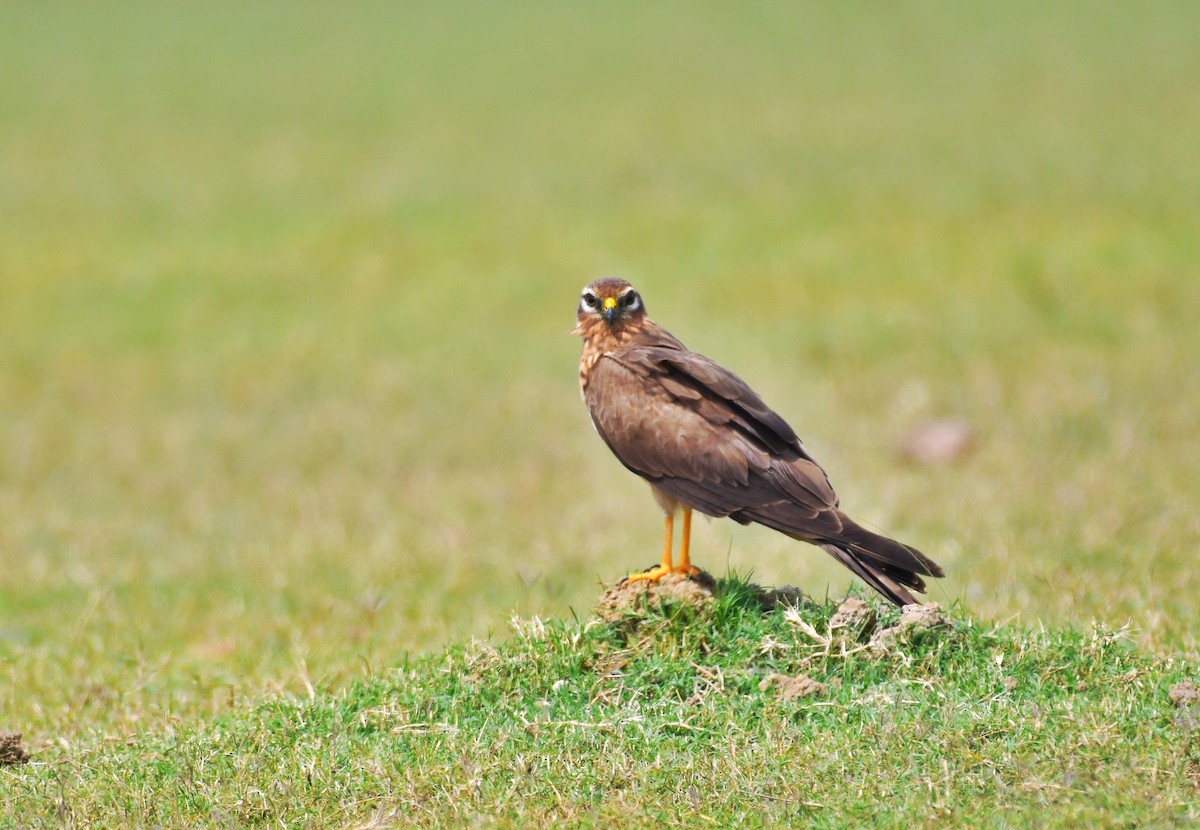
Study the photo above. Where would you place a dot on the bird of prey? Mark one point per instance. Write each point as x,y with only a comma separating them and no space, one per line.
705,441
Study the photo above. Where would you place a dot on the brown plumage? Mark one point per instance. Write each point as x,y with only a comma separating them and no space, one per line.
705,441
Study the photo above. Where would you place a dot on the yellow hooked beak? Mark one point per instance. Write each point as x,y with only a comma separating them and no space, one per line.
610,308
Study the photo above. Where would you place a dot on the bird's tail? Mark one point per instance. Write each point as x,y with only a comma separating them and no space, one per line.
885,564
882,563
887,580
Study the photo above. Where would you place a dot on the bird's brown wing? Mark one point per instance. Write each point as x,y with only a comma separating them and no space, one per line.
699,433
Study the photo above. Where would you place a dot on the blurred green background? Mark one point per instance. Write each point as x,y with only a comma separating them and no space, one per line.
285,384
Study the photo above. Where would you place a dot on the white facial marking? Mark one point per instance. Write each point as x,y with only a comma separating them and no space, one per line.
588,301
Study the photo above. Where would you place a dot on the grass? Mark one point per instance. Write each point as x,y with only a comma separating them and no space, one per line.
285,393
664,719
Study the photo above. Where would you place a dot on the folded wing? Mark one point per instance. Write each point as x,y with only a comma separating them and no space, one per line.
698,432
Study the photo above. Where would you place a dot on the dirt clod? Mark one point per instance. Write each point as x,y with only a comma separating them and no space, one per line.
1186,698
790,688
1192,773
12,751
1184,694
913,618
854,619
784,595
631,596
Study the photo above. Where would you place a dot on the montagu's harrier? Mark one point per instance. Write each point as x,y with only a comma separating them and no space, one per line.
705,441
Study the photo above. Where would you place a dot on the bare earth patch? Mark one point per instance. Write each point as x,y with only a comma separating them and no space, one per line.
790,688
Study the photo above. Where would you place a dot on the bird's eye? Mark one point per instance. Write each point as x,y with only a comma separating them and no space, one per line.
630,300
589,300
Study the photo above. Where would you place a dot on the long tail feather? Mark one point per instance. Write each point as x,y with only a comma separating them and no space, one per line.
890,585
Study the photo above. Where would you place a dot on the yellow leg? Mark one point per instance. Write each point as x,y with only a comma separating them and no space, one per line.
685,542
668,541
662,569
685,562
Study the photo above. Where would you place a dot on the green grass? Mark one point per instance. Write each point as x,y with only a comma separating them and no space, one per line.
285,393
665,721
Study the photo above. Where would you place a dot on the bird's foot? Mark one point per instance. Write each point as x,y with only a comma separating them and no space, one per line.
659,571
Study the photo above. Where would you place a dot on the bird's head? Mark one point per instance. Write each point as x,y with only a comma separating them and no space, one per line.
609,301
